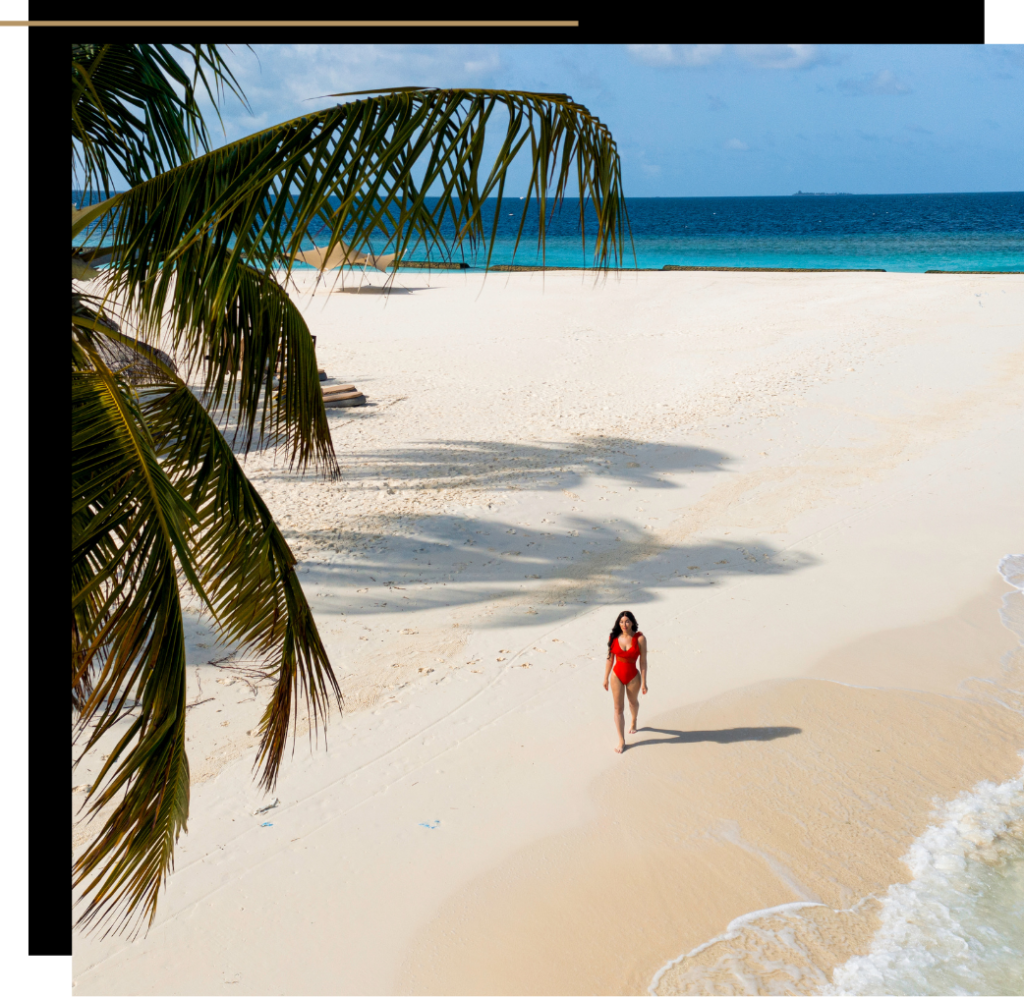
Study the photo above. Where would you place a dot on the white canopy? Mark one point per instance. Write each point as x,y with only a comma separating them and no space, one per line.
343,255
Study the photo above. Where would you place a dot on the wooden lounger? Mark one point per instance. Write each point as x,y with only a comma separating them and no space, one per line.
332,389
344,399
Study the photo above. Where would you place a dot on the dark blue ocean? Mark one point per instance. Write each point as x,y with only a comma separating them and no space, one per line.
895,232
902,232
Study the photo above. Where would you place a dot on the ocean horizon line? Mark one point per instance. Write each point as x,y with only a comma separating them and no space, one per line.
704,197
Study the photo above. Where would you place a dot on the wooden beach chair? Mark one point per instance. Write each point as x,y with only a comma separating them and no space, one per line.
343,396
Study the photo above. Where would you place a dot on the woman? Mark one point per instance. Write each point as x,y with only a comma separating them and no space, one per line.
625,645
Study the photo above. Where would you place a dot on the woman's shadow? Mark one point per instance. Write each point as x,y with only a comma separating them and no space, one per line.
727,736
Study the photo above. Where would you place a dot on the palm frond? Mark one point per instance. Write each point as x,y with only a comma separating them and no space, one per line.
87,214
256,334
130,537
127,521
244,562
126,114
148,480
363,171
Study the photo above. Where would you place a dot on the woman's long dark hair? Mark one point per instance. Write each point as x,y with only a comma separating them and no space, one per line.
617,629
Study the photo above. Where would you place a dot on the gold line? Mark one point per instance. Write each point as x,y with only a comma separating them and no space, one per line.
290,24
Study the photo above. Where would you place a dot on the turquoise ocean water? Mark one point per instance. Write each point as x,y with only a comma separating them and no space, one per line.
895,232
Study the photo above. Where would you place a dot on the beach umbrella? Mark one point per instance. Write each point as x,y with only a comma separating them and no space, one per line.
342,255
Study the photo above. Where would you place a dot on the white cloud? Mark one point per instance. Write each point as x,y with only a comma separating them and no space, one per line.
761,56
701,55
781,56
735,143
675,55
477,66
286,81
882,82
652,55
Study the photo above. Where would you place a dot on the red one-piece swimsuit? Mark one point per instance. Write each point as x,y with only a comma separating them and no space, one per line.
625,661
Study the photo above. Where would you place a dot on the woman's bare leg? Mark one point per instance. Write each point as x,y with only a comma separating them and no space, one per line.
618,690
633,694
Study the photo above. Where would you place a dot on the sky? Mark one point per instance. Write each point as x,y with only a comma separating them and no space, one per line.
710,120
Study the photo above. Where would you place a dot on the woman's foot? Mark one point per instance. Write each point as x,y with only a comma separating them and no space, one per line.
632,729
620,747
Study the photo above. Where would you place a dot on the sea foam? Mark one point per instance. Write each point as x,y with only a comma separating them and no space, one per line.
1011,568
956,928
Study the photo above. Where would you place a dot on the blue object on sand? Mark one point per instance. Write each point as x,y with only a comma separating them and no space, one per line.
266,823
430,825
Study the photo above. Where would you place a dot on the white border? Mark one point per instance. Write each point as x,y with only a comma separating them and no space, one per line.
40,975
1004,22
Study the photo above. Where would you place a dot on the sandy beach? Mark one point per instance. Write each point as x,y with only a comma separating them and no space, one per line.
801,484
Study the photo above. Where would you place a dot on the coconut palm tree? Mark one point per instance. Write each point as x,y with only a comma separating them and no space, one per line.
161,507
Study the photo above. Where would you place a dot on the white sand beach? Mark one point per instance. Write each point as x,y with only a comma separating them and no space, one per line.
801,484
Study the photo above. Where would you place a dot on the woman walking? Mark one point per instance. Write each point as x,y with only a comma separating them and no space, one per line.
625,646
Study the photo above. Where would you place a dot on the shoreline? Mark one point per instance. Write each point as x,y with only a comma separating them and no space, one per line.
764,840
667,268
786,479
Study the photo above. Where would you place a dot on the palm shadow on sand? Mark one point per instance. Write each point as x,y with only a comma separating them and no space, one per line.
727,736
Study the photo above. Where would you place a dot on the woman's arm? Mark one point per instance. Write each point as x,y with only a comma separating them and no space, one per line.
608,667
642,641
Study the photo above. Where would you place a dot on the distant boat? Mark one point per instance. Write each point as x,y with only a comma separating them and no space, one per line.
836,193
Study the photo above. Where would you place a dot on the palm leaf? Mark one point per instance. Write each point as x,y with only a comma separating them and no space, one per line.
81,217
256,335
246,567
126,619
130,536
362,171
126,114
